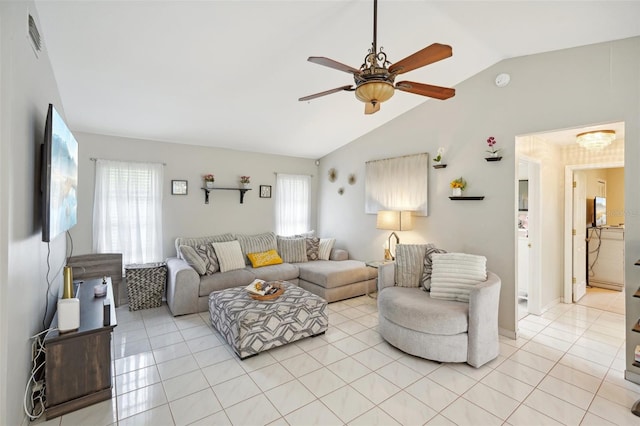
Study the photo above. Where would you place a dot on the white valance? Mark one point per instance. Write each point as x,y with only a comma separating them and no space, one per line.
398,183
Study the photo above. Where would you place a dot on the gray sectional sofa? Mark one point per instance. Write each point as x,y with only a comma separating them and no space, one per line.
333,277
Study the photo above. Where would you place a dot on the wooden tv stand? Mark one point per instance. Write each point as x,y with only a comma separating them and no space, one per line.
78,363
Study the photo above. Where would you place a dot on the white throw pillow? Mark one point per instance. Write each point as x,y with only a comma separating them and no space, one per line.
454,275
229,255
326,245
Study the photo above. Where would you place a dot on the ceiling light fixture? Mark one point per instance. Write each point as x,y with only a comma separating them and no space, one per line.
596,139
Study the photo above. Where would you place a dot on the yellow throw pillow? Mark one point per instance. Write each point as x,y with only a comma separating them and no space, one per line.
264,258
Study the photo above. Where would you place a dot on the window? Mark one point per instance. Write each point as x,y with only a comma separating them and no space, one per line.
127,210
293,204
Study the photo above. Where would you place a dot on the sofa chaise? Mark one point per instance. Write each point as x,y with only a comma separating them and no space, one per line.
308,262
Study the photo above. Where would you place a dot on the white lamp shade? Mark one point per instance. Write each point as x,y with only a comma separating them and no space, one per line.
394,220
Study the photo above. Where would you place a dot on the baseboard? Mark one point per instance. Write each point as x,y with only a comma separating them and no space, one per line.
632,377
507,333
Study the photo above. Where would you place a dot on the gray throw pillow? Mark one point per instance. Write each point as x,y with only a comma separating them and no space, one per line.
292,250
189,254
313,248
257,243
428,266
409,264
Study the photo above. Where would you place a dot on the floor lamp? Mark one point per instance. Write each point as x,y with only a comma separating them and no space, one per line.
394,220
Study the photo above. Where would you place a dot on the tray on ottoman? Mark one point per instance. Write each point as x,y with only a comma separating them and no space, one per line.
252,326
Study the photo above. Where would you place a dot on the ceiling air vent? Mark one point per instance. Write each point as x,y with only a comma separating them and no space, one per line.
34,36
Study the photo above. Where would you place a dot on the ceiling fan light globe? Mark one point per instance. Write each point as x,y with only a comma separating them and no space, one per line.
374,91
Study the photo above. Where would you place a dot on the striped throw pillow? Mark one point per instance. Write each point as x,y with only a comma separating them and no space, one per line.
257,243
292,250
454,275
229,255
326,245
409,264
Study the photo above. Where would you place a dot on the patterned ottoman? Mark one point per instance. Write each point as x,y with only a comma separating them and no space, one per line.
252,326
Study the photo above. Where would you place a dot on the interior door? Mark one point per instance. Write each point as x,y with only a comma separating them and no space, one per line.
579,276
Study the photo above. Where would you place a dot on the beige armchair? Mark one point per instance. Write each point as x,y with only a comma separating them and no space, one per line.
440,330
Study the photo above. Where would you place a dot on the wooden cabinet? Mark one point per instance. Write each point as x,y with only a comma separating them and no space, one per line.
98,265
78,363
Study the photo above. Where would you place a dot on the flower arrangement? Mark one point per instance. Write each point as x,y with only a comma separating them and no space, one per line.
491,141
438,158
459,183
209,178
245,179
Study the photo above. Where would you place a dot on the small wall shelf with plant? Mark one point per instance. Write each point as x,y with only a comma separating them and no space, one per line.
494,153
438,159
457,186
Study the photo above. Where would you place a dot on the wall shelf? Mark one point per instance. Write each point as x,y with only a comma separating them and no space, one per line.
439,166
242,192
493,158
480,197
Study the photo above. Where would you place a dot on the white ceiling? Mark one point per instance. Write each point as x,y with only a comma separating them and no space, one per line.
229,73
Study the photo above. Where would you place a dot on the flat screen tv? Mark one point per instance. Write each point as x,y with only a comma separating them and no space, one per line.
599,211
59,177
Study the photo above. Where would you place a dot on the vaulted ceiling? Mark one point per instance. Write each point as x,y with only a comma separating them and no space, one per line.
229,73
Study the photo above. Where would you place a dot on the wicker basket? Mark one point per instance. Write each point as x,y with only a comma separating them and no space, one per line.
145,284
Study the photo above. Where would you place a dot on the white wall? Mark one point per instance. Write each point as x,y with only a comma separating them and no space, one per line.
188,215
555,90
27,85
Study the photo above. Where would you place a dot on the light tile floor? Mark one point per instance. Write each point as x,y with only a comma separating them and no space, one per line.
566,368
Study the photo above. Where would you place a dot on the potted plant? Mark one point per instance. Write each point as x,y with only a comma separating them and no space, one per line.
208,180
457,186
494,153
437,160
245,181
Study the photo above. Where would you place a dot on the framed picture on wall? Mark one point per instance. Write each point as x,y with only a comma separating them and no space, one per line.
265,191
179,187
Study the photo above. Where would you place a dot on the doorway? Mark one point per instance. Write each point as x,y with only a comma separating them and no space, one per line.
558,156
528,235
594,242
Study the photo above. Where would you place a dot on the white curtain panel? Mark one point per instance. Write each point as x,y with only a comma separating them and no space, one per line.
127,210
397,184
293,204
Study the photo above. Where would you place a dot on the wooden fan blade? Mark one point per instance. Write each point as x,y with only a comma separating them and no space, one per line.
327,92
430,54
436,92
321,60
371,108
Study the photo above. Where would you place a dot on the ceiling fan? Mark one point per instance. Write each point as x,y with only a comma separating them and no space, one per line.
374,81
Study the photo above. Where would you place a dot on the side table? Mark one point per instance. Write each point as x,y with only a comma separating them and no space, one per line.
376,264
